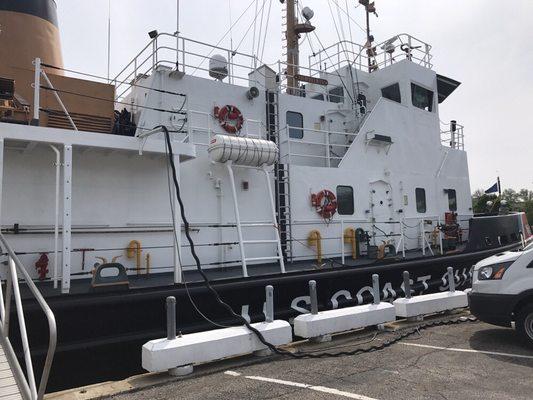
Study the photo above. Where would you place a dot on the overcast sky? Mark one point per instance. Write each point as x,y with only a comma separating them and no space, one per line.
485,44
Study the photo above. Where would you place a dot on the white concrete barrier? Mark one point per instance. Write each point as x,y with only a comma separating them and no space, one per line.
409,307
163,354
320,325
344,319
430,304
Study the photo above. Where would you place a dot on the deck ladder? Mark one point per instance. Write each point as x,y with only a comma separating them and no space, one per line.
14,384
273,224
281,170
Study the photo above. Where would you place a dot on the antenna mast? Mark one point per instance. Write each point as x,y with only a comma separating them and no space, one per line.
371,51
292,35
109,41
293,51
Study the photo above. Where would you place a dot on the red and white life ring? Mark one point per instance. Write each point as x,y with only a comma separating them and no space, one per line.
230,118
325,203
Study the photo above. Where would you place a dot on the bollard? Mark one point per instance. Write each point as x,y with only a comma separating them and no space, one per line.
314,311
171,335
269,293
451,279
406,284
269,317
313,296
375,288
171,318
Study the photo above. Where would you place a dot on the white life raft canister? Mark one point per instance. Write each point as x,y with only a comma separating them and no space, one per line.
243,151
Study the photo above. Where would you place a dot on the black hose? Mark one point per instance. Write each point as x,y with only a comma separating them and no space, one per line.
256,332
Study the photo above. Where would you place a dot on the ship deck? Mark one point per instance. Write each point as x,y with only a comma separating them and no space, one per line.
449,362
155,280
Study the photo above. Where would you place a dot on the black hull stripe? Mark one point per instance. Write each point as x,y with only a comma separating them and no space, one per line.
45,9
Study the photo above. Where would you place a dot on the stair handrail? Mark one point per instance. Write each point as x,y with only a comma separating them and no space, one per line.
27,386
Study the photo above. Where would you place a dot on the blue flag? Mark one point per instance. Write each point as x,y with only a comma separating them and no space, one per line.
493,189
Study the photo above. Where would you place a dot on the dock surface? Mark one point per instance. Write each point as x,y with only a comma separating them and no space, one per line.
471,360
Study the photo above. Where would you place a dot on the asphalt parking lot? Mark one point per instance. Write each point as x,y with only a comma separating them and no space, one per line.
471,360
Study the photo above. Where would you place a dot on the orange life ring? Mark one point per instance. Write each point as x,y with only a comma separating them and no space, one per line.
230,118
325,203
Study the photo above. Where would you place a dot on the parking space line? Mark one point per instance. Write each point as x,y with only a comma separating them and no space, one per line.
322,389
493,353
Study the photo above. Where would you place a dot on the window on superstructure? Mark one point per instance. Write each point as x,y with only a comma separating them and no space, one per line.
392,92
336,95
295,123
318,97
345,200
422,98
452,199
420,195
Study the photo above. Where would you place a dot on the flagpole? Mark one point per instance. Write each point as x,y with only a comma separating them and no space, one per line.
499,187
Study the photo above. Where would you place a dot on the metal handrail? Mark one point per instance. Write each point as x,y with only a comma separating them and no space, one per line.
342,53
27,386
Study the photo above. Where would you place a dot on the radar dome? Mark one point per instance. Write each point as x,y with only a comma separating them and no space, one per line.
218,67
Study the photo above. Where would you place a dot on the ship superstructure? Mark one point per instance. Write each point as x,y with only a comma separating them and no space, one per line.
355,127
289,171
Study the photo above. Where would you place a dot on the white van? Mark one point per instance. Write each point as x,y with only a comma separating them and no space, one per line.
502,291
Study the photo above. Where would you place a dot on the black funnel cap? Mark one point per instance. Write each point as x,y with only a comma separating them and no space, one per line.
45,9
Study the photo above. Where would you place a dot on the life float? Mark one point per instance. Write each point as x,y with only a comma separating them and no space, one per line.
325,203
230,118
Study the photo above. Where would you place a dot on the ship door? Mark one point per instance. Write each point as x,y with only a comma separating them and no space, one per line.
381,210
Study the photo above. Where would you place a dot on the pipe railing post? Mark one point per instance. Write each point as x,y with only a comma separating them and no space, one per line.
269,314
171,317
314,298
375,289
451,279
406,284
56,219
342,242
37,92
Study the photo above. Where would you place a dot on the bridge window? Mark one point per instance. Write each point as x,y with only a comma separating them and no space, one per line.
420,200
336,95
295,122
422,98
392,92
452,199
345,200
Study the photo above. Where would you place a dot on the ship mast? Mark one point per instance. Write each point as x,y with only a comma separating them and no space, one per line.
293,51
292,35
371,51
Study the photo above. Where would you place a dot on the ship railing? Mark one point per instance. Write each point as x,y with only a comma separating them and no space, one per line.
452,135
202,126
186,55
40,75
346,53
16,271
419,229
316,147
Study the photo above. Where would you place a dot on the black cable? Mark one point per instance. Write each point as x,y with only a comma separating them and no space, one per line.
243,320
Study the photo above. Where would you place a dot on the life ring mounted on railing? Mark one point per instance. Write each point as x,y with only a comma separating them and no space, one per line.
230,118
325,203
